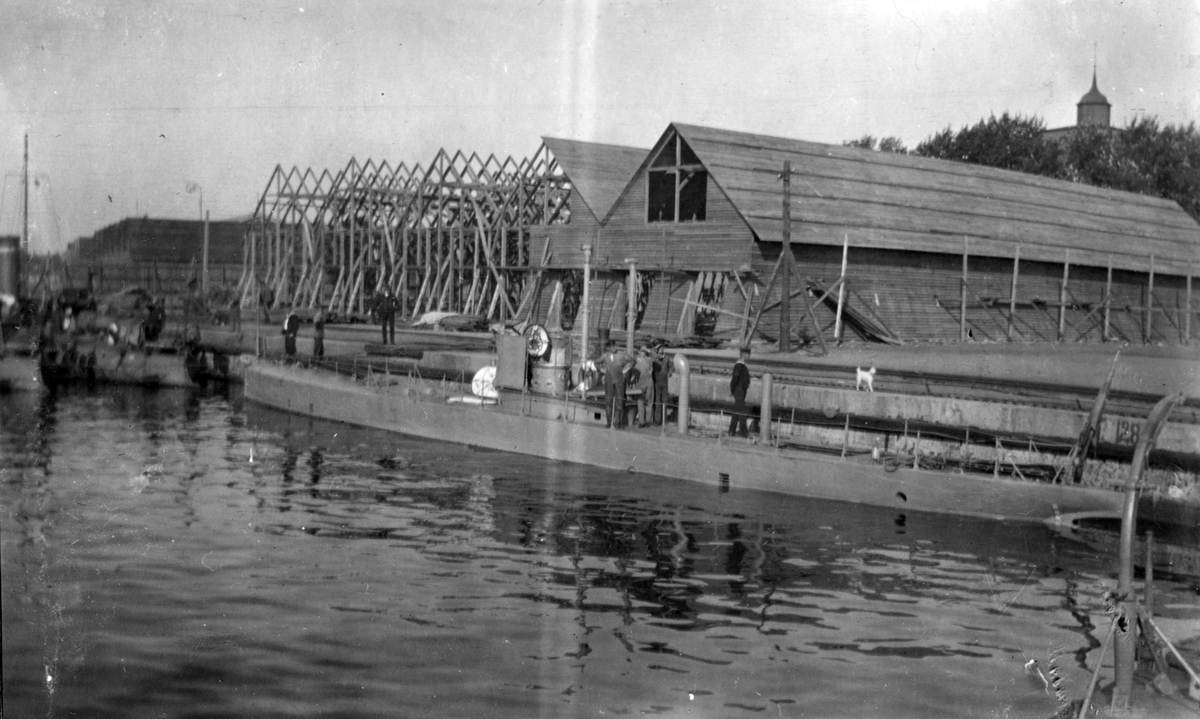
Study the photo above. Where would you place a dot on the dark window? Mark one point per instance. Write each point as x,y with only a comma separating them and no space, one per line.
693,189
661,197
677,185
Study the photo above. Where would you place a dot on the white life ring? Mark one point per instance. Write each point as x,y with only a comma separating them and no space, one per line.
483,384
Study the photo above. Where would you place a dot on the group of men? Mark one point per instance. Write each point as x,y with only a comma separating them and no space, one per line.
383,306
291,329
645,373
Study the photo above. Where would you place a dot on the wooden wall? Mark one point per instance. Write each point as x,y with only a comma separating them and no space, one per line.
722,242
917,297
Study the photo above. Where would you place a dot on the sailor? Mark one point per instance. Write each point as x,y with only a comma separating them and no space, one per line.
615,366
319,333
662,372
156,321
644,383
739,383
385,310
291,328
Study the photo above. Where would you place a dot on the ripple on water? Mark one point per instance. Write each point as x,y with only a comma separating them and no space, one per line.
180,553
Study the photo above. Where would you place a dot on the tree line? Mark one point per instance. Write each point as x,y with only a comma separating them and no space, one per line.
1142,157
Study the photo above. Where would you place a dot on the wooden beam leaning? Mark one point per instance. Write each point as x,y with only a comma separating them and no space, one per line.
1187,307
763,305
1062,296
808,305
1012,295
1148,322
1107,301
962,295
837,322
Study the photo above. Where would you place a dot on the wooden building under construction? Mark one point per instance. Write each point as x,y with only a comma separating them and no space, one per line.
886,247
448,236
909,248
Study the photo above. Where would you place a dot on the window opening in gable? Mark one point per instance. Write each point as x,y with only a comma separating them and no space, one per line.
661,197
693,189
676,185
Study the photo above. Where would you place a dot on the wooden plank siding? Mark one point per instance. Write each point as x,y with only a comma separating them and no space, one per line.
566,241
598,172
722,242
883,169
906,220
916,296
910,203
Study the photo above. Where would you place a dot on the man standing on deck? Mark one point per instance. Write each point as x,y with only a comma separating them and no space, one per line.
615,365
645,385
387,317
739,383
319,334
662,372
291,328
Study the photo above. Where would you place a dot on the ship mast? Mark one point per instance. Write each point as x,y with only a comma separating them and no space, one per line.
25,199
23,252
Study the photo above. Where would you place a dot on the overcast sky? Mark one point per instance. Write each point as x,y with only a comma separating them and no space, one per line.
126,103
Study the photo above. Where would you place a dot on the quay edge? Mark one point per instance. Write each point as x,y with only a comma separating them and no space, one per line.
413,407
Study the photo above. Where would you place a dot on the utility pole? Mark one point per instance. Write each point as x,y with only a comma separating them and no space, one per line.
785,324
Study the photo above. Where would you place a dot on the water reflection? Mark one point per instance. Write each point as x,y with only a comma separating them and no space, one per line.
181,554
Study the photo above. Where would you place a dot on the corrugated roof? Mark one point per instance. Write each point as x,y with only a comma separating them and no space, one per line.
597,171
906,202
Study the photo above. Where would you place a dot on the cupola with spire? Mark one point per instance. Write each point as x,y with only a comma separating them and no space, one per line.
1093,108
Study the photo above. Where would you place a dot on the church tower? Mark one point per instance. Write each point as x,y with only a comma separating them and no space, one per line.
1093,108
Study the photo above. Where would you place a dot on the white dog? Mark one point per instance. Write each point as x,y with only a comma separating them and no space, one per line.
865,376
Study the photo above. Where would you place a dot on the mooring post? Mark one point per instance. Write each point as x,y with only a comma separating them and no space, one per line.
764,416
1126,640
631,305
683,372
587,280
845,435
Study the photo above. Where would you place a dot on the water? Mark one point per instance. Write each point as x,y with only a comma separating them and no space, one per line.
176,554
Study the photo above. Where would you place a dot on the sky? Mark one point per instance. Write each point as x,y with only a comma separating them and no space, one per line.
129,103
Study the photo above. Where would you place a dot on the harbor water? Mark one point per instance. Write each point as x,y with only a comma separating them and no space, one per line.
185,554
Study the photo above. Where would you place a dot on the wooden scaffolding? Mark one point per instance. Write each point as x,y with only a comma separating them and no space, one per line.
450,236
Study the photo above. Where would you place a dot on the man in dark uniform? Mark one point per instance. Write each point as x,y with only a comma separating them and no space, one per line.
386,312
662,372
739,383
291,328
156,321
616,364
319,333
